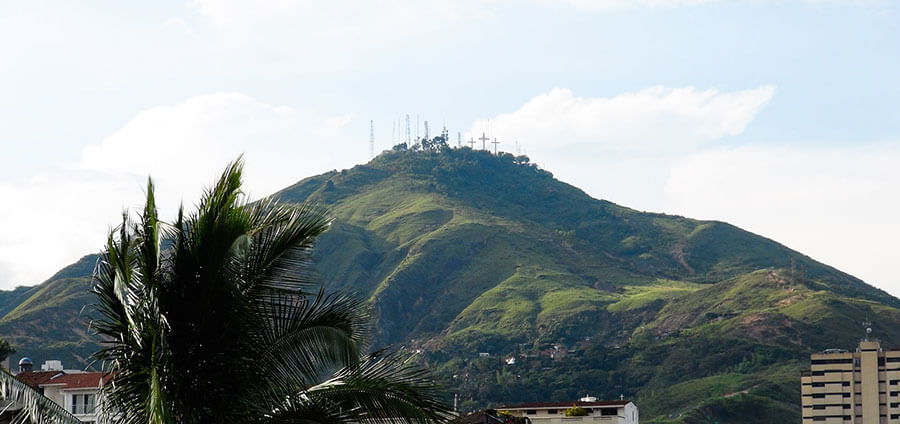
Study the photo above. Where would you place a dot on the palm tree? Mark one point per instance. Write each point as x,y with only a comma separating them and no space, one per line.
217,318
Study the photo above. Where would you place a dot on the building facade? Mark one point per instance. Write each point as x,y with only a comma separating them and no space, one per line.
76,391
597,411
861,387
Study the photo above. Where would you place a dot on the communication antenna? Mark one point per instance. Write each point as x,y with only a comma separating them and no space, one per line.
371,139
426,130
458,139
408,139
868,326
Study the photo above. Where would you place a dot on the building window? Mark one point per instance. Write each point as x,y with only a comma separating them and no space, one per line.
551,411
818,384
819,396
845,384
831,361
530,412
818,406
608,411
84,404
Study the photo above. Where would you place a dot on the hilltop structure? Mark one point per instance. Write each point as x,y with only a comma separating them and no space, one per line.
861,387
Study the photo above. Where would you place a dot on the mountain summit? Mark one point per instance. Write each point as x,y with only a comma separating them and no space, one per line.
517,287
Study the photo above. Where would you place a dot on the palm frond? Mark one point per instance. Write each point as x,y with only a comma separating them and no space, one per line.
386,387
30,406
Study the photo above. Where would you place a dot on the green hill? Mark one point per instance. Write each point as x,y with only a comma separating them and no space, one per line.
49,321
462,252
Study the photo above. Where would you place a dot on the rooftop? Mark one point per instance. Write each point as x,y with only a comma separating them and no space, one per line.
67,381
540,405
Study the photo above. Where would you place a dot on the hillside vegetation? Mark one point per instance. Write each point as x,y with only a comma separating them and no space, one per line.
464,253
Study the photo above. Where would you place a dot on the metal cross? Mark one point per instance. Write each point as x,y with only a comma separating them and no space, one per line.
483,141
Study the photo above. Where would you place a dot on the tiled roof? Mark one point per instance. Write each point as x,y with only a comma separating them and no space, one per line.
36,378
540,405
86,380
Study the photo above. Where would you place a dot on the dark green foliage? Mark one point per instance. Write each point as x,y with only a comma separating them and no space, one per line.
5,350
227,325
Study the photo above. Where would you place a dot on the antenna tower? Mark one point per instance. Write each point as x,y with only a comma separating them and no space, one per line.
371,139
458,139
408,139
868,326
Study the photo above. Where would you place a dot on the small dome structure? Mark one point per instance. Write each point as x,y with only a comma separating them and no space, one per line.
25,364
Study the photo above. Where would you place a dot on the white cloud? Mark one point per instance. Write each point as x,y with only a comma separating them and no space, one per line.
187,144
653,119
64,214
836,204
57,218
620,148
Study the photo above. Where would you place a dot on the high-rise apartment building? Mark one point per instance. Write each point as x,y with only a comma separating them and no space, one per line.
861,387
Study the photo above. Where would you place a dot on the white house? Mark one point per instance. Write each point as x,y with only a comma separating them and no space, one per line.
597,411
77,391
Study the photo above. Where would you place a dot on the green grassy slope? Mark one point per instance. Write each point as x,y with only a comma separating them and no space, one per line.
462,252
47,321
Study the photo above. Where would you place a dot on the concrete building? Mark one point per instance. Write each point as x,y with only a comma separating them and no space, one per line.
861,387
77,391
597,411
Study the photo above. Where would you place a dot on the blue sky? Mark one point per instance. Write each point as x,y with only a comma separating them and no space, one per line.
777,116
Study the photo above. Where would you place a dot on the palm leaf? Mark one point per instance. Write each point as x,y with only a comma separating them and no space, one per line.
30,406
